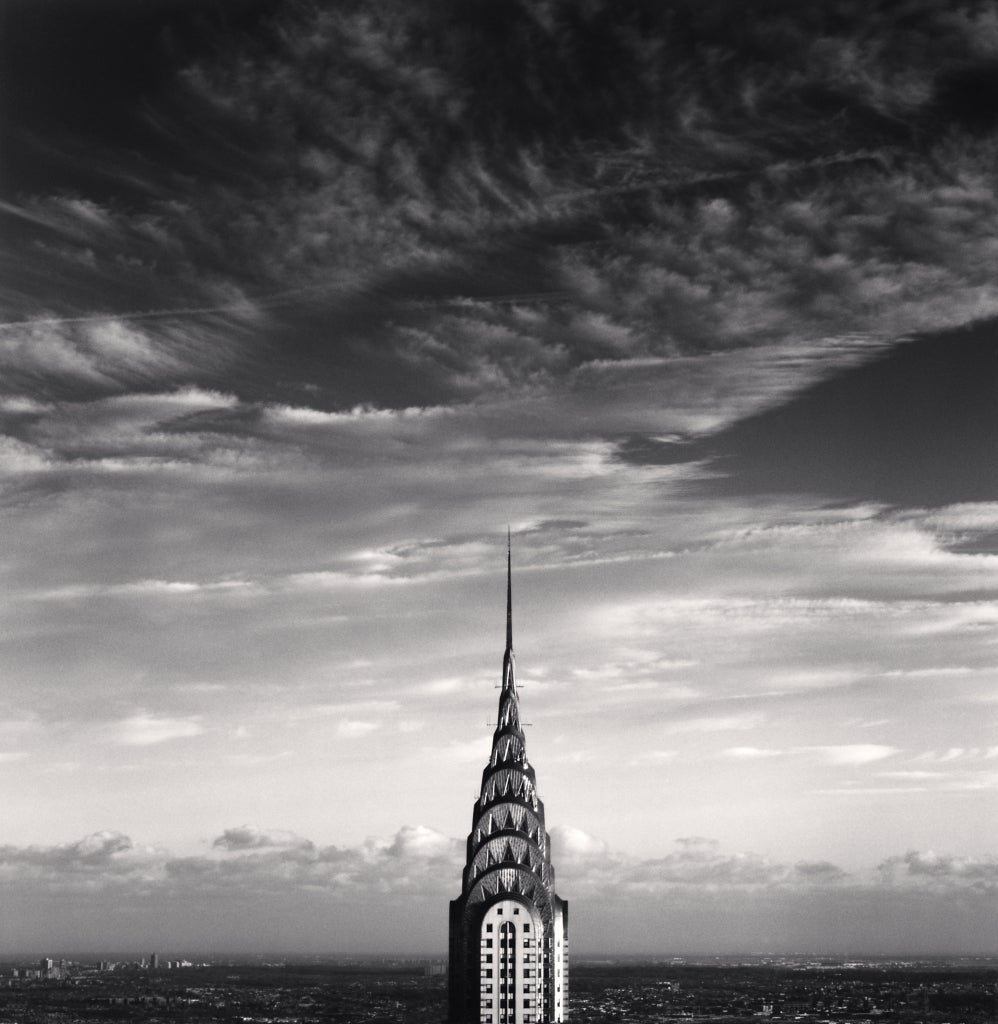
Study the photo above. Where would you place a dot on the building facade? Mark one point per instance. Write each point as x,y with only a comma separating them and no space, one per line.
508,928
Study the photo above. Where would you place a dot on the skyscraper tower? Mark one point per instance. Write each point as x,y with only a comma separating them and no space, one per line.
508,928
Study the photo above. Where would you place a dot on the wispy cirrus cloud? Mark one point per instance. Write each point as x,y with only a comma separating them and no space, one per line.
855,753
392,192
144,730
355,728
843,755
717,723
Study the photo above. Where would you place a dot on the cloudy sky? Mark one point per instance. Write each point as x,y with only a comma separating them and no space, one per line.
303,303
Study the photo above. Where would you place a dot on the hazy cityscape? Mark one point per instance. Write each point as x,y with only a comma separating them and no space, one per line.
353,990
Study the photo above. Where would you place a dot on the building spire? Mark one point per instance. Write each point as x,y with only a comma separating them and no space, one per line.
508,961
509,591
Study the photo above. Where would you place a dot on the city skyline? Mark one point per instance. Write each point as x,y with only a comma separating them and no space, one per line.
301,306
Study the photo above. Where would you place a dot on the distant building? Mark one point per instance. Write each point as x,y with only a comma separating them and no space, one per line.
154,961
48,969
508,928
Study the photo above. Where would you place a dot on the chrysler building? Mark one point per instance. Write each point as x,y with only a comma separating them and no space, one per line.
508,928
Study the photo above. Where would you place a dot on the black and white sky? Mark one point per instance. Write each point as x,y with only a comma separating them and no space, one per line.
302,303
